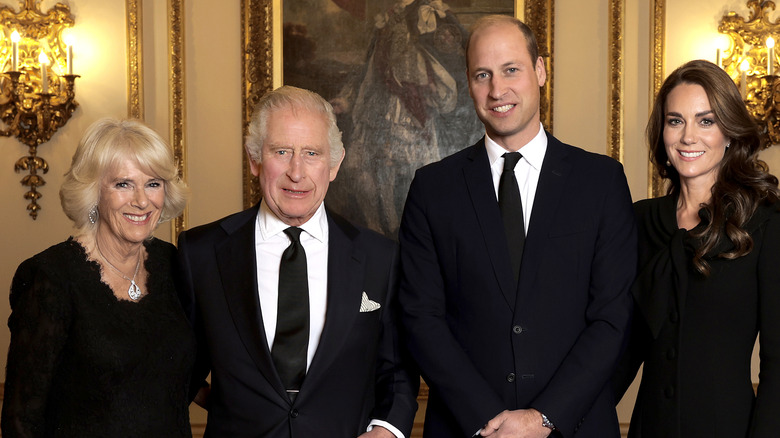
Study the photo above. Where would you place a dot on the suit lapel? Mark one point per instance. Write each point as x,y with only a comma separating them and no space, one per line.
549,192
483,199
236,260
346,268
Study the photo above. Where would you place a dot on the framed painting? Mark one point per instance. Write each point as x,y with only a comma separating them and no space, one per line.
394,71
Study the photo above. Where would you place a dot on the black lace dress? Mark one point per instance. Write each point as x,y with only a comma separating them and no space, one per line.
83,363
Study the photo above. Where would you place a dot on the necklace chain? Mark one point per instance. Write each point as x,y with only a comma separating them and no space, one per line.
134,292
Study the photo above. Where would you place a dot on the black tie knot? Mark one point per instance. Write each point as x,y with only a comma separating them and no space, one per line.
511,159
294,233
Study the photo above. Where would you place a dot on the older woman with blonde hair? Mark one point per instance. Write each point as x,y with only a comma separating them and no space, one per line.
99,343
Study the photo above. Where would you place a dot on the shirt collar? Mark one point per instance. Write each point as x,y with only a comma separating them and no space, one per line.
270,225
533,152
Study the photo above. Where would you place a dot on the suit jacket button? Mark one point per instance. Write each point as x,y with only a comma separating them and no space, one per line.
294,413
671,353
510,378
517,329
669,391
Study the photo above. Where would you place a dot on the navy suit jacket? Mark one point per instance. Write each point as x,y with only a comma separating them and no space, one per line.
551,342
355,374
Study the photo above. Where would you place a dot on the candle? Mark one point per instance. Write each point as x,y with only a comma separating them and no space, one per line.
744,66
69,41
15,51
770,58
70,59
717,57
44,60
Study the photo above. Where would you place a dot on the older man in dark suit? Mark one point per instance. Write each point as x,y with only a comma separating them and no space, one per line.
517,254
293,306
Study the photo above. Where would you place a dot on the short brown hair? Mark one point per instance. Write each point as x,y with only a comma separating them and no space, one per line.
492,20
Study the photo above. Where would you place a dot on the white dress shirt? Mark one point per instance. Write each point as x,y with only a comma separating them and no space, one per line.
527,169
527,172
270,243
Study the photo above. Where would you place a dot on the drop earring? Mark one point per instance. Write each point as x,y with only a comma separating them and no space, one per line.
93,214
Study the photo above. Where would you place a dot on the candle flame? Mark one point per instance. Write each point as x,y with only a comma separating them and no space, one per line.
15,37
770,42
745,65
43,59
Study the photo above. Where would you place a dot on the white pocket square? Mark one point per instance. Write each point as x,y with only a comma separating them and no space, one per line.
366,305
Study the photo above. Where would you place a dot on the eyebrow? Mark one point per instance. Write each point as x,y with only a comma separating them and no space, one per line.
701,114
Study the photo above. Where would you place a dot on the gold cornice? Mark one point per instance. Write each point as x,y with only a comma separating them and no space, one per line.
615,109
256,74
135,93
176,105
654,182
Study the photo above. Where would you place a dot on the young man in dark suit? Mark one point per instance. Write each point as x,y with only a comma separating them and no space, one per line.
293,307
517,266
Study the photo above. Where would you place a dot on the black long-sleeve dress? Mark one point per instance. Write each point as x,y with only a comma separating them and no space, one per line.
83,363
695,334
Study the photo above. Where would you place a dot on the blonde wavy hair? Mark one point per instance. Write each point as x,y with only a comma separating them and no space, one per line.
106,143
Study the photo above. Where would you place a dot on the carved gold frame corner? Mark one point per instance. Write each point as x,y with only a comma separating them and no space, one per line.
615,131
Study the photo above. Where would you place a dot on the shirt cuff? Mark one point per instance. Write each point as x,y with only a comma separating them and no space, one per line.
387,426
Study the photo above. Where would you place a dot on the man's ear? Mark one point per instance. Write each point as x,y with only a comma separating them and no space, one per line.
334,170
253,166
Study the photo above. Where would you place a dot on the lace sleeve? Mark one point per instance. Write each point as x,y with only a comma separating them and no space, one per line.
39,322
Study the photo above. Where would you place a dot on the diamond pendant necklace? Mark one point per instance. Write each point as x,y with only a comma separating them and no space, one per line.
134,292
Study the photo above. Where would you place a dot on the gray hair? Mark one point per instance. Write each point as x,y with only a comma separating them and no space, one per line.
288,97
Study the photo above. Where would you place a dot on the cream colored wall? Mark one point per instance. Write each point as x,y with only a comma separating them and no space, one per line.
101,91
213,93
213,120
581,81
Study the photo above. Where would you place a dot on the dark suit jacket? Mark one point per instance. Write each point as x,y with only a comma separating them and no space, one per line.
355,374
696,334
551,342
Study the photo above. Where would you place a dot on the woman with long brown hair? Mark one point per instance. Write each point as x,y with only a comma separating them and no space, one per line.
708,282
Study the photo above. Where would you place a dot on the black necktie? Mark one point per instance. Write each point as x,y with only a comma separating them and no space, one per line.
292,319
512,210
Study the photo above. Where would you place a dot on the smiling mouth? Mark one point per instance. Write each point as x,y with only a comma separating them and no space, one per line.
691,154
503,108
296,192
135,218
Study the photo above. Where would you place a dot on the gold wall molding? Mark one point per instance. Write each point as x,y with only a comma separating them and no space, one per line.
615,135
539,16
257,34
135,88
176,96
655,185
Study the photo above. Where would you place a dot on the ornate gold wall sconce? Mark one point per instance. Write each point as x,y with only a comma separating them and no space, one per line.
751,60
37,90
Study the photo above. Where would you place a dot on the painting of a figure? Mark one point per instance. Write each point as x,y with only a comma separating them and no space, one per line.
394,71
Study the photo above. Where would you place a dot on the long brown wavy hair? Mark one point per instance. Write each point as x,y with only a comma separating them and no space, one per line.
743,181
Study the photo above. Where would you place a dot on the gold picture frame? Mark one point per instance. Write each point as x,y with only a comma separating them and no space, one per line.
261,67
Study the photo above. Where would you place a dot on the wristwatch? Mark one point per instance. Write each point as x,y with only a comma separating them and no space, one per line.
547,423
